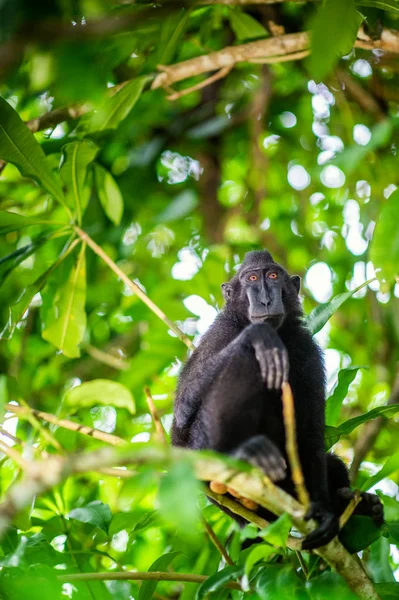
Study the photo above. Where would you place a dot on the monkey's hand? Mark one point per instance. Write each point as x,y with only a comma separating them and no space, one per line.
273,364
327,530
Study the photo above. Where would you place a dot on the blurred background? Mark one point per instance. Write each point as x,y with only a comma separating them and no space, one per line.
265,157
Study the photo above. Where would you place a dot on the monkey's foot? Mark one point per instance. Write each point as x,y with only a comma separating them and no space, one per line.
370,505
221,488
261,452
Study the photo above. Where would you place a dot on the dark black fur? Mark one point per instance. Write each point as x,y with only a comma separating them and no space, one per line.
229,398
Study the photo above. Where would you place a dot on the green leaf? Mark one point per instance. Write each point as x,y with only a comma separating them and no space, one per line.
77,156
100,391
148,588
330,586
244,26
391,466
19,147
179,482
10,221
109,194
378,562
11,261
359,533
334,402
334,31
66,322
17,310
333,434
218,580
390,5
322,313
277,532
96,513
171,31
393,529
260,552
117,107
384,251
387,591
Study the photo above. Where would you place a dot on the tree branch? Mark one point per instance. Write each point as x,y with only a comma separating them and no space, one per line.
23,411
208,466
141,576
276,48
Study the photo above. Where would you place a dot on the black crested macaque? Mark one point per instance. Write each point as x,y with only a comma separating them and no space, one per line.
229,393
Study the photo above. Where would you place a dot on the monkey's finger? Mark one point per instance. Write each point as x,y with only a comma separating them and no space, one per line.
250,504
285,365
260,355
233,493
271,370
278,368
218,488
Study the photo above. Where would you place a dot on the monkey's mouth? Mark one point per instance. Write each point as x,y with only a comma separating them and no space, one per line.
273,320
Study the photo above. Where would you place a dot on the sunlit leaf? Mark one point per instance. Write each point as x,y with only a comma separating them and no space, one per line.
390,5
334,402
384,251
10,221
96,513
109,194
323,313
391,466
116,108
19,147
100,391
258,553
378,563
148,588
66,324
334,31
11,261
387,591
218,580
17,310
277,532
333,434
77,156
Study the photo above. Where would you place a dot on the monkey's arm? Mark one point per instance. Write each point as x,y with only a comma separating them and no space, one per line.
206,365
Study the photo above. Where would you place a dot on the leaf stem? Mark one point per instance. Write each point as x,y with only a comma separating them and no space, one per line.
140,575
291,445
134,287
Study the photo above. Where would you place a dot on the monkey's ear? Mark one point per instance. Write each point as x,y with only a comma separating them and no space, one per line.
226,290
296,280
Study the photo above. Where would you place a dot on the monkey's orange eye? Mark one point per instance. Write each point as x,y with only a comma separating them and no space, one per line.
272,276
253,278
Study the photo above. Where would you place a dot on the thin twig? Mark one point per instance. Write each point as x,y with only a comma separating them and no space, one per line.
346,515
159,429
302,563
15,456
10,436
291,445
107,359
27,412
134,287
31,417
198,86
217,543
140,575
